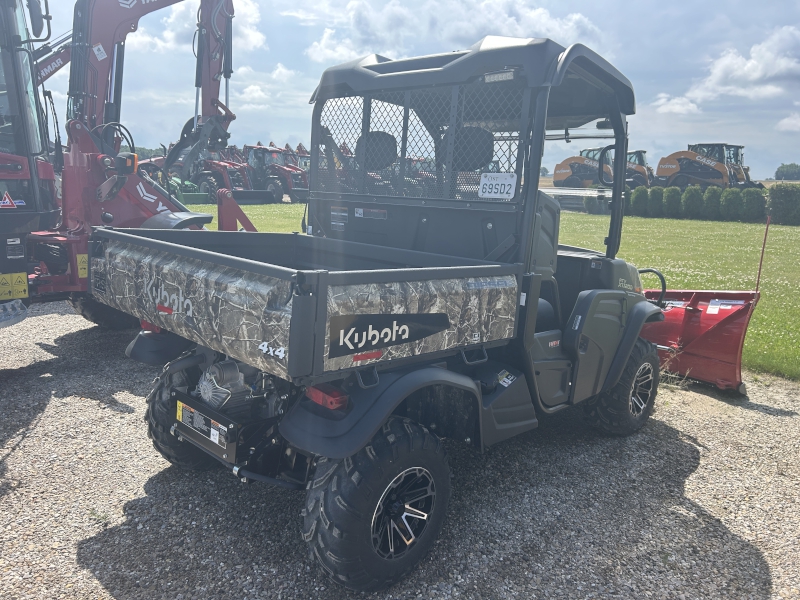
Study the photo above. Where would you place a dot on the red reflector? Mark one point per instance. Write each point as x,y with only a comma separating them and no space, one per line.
146,326
328,396
368,355
163,309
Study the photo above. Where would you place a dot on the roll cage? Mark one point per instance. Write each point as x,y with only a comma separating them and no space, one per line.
494,102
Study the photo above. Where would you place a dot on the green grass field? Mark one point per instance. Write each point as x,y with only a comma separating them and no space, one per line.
691,255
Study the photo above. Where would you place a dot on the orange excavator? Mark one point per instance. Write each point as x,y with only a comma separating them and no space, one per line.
46,236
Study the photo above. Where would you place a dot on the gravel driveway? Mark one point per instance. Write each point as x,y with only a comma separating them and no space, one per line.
703,503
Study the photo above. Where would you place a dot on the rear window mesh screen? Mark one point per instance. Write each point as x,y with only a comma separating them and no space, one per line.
432,143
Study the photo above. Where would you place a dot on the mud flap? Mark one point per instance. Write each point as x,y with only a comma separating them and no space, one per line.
157,349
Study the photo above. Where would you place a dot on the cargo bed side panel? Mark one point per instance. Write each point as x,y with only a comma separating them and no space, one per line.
377,322
243,314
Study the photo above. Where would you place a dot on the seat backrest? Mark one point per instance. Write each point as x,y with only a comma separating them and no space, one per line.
376,150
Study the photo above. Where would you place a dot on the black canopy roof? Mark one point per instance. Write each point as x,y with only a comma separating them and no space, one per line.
583,83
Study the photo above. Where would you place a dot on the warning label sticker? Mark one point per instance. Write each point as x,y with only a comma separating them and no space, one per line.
505,378
202,424
7,202
13,285
99,52
83,265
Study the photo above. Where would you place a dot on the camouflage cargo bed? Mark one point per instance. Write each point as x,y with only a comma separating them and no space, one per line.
302,307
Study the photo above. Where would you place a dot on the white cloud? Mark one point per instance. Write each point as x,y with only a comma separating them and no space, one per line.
356,27
330,49
180,24
680,106
772,66
790,123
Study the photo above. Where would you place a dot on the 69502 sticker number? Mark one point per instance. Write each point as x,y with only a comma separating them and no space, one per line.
497,185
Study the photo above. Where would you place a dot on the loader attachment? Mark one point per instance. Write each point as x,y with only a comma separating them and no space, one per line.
702,334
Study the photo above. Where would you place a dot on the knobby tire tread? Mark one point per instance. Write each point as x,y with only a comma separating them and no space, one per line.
340,490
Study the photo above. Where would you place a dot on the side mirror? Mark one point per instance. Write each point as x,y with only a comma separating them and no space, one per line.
36,17
603,162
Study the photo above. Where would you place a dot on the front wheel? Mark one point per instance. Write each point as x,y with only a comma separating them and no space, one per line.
371,518
625,408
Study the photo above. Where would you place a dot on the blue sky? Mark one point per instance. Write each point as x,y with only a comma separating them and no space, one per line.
702,72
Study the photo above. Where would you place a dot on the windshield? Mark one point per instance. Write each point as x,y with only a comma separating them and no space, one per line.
636,158
733,154
18,121
592,153
713,151
266,157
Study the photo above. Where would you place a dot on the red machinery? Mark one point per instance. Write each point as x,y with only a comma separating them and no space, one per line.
703,333
45,254
269,162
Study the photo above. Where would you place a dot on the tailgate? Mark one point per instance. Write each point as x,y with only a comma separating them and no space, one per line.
244,313
376,322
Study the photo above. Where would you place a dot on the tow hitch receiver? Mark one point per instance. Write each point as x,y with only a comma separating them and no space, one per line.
205,427
702,334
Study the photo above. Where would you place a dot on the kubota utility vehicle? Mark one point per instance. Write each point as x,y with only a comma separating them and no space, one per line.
721,165
336,362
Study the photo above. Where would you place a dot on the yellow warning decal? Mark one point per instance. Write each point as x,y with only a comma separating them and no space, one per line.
179,412
13,285
83,266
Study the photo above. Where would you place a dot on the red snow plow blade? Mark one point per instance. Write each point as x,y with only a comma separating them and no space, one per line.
702,334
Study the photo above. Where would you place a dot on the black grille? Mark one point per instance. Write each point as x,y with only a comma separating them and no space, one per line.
430,143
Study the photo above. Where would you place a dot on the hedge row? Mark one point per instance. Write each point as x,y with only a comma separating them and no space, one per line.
716,204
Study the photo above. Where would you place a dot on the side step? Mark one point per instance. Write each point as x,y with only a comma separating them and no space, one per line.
12,313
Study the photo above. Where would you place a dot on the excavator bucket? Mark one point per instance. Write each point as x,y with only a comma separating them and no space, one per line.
702,334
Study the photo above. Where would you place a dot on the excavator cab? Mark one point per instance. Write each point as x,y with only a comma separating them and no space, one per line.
27,180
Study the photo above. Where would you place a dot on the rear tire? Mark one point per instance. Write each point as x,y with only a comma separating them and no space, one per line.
208,185
361,511
102,314
573,182
625,408
275,189
160,417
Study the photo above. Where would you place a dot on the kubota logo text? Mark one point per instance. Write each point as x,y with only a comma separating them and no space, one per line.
350,334
167,303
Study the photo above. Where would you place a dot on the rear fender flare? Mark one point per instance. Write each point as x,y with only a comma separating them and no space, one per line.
321,432
641,313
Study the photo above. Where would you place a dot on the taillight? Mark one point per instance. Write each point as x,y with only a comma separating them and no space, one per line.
328,396
146,326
